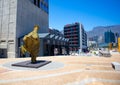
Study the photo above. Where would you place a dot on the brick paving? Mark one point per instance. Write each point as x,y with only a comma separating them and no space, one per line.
75,69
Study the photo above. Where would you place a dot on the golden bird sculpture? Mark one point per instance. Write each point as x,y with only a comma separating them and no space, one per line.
31,44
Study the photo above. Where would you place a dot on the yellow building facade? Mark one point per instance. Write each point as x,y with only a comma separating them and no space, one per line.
119,44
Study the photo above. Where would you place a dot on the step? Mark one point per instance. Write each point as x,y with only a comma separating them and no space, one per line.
116,66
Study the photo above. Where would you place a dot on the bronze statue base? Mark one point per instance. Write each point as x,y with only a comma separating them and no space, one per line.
28,64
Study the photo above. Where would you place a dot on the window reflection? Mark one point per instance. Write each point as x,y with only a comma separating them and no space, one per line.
43,4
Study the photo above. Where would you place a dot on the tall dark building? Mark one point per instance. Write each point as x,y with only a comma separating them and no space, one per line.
76,35
109,37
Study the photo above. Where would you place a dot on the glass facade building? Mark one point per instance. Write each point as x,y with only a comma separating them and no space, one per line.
43,4
109,37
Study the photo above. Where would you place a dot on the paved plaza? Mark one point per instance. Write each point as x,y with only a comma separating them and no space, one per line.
63,70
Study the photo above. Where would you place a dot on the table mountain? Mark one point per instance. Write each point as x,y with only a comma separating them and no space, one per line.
99,31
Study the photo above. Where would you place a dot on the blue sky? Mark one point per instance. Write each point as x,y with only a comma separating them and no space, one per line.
90,13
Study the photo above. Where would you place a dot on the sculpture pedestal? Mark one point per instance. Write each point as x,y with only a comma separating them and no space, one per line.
28,64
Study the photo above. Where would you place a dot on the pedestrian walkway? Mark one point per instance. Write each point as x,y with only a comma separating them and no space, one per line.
64,70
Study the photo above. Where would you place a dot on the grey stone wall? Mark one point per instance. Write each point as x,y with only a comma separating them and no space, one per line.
8,25
8,19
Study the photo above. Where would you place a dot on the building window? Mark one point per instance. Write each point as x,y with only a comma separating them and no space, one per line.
44,6
38,3
35,2
46,1
2,52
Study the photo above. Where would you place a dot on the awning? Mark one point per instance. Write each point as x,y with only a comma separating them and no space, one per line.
43,35
53,37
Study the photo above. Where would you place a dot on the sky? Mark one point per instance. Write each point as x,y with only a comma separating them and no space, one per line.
90,13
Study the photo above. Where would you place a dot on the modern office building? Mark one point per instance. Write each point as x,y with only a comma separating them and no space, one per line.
76,35
109,37
17,18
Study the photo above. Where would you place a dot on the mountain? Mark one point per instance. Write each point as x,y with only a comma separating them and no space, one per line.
99,31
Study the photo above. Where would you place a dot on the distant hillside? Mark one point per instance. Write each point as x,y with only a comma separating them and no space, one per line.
99,31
